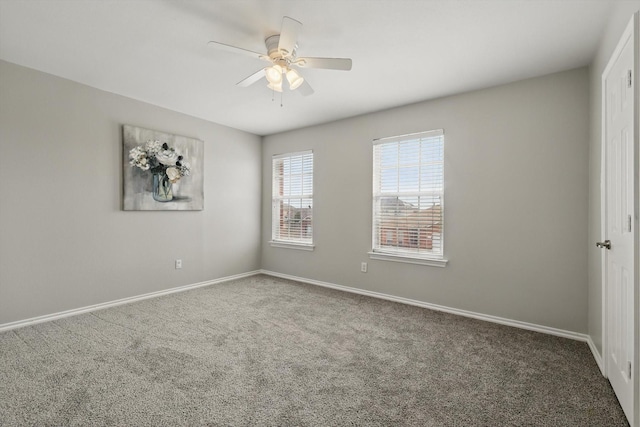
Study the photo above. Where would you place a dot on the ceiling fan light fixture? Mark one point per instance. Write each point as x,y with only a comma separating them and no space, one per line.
295,79
275,86
274,74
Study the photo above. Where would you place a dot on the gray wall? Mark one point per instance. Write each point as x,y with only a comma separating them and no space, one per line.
618,21
516,165
65,242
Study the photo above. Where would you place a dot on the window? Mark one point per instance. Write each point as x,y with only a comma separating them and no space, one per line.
408,193
292,202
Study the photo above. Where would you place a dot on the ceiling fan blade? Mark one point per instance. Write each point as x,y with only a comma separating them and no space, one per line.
305,89
252,78
288,36
235,49
326,63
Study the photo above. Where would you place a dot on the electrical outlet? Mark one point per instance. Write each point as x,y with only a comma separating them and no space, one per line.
178,264
363,267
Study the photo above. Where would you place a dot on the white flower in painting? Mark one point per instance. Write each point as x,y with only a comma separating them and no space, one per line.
138,157
173,174
167,157
153,147
136,153
143,164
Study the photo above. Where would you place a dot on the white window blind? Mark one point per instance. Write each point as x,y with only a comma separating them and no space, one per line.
292,202
408,193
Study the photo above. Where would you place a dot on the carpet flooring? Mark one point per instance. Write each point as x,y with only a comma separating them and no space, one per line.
262,351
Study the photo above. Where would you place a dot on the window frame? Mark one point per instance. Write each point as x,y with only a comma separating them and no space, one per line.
395,254
276,198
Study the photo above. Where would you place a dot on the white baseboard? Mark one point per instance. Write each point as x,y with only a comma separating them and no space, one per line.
495,319
76,311
596,354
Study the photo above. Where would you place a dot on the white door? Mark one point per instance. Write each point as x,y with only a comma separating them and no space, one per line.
618,81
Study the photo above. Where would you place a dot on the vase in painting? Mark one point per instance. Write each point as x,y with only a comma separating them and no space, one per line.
162,191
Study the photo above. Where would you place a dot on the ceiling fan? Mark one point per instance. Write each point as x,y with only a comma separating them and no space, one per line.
282,54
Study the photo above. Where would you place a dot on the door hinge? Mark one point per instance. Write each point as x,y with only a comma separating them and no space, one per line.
629,369
629,223
629,79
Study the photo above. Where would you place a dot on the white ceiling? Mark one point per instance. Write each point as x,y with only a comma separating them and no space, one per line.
403,51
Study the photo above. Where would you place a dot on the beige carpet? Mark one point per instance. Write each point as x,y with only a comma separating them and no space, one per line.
263,351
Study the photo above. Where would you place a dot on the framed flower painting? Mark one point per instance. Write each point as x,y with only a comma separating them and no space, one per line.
161,171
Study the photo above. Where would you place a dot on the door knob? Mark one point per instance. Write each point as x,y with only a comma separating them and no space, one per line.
605,244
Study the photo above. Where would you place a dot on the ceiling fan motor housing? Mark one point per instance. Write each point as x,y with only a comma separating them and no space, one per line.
272,49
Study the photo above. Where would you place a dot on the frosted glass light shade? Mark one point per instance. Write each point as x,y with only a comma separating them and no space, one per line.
274,74
295,79
275,86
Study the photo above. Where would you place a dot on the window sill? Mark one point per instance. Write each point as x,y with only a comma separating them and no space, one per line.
409,259
292,245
